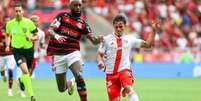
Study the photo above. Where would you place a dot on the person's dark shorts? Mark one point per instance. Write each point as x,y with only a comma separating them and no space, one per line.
23,56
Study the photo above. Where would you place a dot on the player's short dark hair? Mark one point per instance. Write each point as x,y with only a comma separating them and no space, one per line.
18,5
120,18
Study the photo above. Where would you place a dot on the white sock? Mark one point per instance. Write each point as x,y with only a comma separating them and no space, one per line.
133,97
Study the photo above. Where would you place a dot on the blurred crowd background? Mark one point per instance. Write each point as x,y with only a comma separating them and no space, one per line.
178,41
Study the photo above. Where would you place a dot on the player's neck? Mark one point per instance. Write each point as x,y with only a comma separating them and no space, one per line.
118,34
18,18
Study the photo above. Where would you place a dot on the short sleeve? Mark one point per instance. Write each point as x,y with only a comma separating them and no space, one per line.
42,37
102,48
8,30
87,29
32,27
136,42
57,21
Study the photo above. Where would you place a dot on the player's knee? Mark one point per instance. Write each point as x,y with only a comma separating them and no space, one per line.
128,89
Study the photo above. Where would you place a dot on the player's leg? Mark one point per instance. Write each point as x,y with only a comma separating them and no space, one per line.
131,93
2,68
29,60
59,65
11,64
23,58
3,75
29,53
20,83
127,81
34,63
61,82
113,87
81,86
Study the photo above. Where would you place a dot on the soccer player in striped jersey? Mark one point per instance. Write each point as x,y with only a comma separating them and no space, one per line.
113,55
6,60
64,44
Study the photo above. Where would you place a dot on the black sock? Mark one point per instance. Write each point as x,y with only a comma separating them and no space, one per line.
81,88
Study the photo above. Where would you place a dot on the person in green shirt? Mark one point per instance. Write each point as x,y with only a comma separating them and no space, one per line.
21,33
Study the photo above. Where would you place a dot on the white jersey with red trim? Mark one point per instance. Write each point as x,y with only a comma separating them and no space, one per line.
41,40
117,51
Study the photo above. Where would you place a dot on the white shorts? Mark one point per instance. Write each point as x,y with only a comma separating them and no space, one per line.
61,63
8,61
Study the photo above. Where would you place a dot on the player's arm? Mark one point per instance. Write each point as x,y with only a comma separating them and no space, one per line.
100,56
91,36
95,39
8,38
34,36
53,27
99,59
150,41
34,31
7,42
42,41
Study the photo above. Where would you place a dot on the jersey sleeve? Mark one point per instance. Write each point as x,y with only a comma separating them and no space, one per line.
42,37
32,27
8,30
57,21
87,29
136,42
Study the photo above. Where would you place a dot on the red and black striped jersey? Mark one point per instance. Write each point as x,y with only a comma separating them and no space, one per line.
3,44
72,28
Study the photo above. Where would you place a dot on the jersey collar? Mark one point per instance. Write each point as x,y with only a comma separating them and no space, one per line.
117,36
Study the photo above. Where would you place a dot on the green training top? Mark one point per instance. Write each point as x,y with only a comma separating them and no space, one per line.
18,31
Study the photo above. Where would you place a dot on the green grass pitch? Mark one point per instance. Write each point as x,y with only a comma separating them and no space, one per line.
148,89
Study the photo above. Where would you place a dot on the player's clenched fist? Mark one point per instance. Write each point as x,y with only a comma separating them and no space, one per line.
155,25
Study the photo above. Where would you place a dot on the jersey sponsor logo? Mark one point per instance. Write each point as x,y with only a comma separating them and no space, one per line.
69,31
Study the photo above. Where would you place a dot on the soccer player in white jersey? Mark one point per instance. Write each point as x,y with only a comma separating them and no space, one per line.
113,56
39,44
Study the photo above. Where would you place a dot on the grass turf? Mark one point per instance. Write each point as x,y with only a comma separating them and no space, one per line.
148,89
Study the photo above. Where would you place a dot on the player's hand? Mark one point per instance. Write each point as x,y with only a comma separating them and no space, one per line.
155,25
60,38
101,38
28,37
101,65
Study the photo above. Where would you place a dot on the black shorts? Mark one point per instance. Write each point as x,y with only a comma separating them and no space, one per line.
23,56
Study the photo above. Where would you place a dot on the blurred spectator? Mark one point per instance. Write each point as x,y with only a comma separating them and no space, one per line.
180,19
138,57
